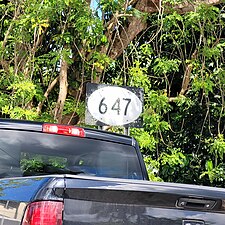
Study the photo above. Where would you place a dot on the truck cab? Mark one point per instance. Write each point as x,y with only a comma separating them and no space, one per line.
31,148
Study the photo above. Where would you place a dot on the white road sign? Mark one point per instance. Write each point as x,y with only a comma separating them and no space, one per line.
113,105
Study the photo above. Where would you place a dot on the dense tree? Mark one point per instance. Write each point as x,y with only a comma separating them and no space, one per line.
172,49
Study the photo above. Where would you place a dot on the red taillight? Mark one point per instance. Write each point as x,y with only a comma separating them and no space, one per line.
43,213
63,129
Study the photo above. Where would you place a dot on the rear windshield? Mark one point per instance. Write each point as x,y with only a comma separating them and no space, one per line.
25,153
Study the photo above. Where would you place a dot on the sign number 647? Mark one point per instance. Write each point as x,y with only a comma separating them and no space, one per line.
116,106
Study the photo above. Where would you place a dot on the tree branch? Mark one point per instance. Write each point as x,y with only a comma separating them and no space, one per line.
137,25
3,62
16,13
186,78
49,89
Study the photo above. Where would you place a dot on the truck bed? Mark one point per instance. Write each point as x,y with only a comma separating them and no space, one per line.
107,201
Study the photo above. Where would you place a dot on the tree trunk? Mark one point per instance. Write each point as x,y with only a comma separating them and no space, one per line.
63,85
137,25
123,39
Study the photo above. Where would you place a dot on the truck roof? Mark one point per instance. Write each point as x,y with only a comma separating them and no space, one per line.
14,124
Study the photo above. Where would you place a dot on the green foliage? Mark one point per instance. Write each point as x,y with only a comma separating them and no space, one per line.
164,66
24,91
152,168
57,162
138,77
158,101
145,139
211,52
20,113
172,20
216,175
100,61
172,163
217,148
74,106
173,2
203,83
37,164
214,166
37,38
32,165
176,124
178,61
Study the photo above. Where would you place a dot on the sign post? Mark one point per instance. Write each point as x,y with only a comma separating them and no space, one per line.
113,106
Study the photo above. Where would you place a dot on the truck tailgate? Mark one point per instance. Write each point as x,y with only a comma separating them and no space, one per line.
115,202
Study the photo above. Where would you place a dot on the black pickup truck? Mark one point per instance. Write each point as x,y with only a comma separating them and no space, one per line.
53,174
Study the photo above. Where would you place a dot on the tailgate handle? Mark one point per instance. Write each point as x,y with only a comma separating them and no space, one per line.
195,203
